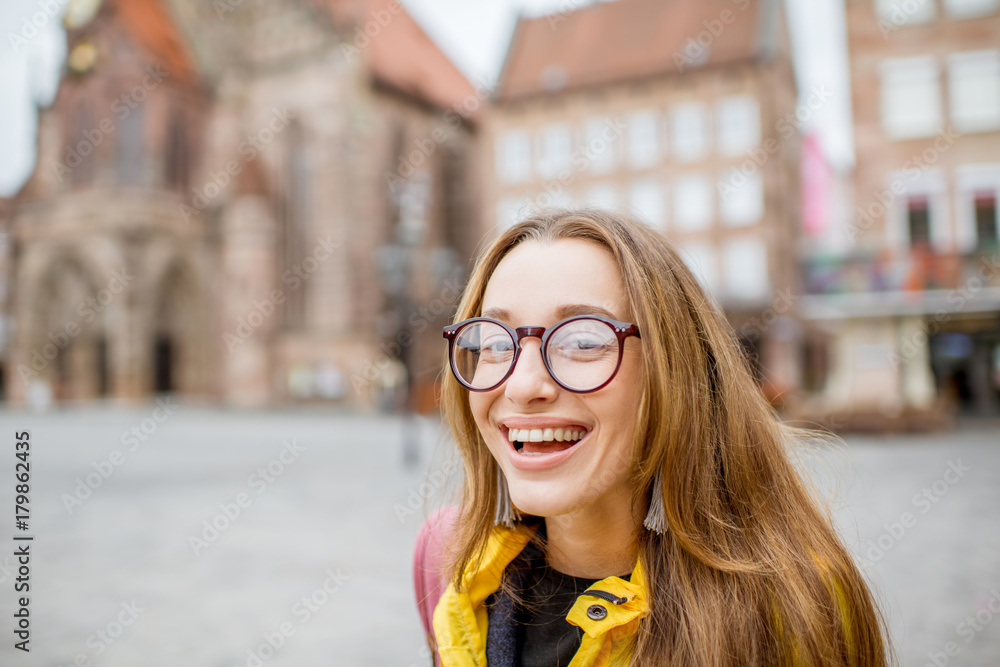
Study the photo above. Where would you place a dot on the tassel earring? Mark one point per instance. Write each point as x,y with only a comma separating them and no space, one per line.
656,517
506,514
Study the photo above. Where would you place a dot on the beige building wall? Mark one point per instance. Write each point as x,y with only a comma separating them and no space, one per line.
937,150
732,205
926,105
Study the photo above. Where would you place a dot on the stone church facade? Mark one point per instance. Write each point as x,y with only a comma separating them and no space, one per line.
248,202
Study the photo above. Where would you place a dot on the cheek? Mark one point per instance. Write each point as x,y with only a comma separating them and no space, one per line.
630,383
479,404
622,413
624,433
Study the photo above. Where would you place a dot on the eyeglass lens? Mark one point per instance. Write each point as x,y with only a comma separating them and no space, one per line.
582,354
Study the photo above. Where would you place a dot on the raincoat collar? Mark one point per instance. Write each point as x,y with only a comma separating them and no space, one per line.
607,612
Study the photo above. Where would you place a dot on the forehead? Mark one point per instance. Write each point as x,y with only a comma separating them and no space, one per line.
542,282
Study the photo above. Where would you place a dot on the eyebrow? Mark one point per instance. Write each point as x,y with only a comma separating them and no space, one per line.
562,312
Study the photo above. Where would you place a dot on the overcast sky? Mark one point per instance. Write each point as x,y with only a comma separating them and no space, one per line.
474,34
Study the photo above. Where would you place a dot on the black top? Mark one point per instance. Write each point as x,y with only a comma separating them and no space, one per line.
544,637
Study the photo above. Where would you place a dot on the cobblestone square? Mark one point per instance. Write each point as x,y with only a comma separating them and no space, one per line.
224,539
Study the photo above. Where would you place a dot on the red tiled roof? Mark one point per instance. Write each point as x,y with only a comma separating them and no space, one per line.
626,39
152,27
402,55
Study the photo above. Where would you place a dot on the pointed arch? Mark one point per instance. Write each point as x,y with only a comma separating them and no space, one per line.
177,346
64,340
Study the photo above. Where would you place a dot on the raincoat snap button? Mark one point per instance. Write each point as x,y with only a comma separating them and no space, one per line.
596,612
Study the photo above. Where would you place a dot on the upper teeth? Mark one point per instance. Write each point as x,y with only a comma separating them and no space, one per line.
544,434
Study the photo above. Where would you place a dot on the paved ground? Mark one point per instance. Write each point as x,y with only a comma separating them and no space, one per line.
922,514
119,579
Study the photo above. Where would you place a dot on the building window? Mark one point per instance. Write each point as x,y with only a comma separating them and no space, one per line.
974,90
815,361
689,128
512,210
964,9
514,156
737,124
176,155
976,188
692,203
646,198
557,197
741,198
701,259
556,146
985,204
905,12
454,198
602,195
918,221
602,145
746,269
507,213
911,98
643,139
128,160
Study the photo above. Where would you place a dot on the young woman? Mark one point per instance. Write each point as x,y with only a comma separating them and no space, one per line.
627,497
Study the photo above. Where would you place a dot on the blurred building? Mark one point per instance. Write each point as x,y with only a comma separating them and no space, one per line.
906,293
244,200
683,113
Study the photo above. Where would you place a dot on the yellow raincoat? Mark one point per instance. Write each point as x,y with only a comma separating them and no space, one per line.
460,619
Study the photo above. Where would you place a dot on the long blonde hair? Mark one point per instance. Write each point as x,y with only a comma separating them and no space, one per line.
750,571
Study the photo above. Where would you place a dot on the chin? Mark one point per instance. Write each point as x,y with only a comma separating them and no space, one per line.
542,499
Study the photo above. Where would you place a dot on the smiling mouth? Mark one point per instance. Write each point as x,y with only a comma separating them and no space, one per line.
543,441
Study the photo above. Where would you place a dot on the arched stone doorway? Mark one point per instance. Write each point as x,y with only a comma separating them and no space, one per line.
177,344
67,344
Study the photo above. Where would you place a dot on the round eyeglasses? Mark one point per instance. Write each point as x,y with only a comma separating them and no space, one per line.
582,353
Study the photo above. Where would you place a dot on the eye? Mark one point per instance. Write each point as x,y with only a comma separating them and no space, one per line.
497,344
583,347
582,341
496,348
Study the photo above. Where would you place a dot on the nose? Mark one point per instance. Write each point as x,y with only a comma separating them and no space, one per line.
530,381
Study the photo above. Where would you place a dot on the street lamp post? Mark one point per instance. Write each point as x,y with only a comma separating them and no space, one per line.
396,263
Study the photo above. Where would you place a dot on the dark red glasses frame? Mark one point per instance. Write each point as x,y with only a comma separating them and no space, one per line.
622,331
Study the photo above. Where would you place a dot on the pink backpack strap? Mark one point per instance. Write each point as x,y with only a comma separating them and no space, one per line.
429,563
